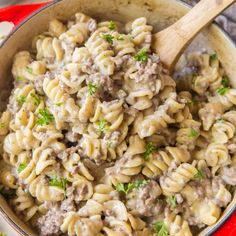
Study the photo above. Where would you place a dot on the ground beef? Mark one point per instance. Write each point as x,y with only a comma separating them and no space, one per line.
50,223
64,155
144,201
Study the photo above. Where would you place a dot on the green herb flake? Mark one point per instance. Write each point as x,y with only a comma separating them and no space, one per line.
149,148
21,167
221,120
20,78
171,200
225,81
127,187
103,126
29,69
111,25
2,125
222,91
199,175
213,57
2,234
45,117
140,183
193,133
36,99
59,104
21,99
58,182
109,38
160,229
120,38
141,56
92,88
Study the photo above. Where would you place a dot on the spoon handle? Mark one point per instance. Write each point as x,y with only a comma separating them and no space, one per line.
171,42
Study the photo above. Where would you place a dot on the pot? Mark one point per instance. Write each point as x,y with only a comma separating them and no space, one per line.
160,14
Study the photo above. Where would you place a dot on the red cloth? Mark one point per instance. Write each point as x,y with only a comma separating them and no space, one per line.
16,14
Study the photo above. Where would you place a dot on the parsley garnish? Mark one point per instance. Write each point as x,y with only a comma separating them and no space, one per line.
36,99
21,167
1,124
92,88
160,229
59,104
149,148
199,175
127,187
45,117
120,37
20,78
213,57
141,55
171,200
21,99
225,81
60,183
109,38
103,126
221,120
29,69
111,25
222,91
193,133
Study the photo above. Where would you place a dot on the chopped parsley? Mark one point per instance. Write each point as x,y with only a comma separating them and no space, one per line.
103,126
120,37
127,187
36,99
149,148
92,88
1,125
225,81
141,55
20,78
59,104
111,25
221,120
160,229
109,38
21,167
193,133
171,200
199,175
222,91
45,117
60,183
21,99
29,69
213,57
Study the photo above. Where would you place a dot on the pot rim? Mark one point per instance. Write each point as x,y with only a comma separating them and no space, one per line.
8,219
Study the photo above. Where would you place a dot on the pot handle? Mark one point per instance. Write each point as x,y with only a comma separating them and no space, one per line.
16,14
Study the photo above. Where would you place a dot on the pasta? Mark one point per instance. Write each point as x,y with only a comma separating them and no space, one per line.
99,140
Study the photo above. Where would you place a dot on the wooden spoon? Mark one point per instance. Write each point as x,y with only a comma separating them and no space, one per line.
171,42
